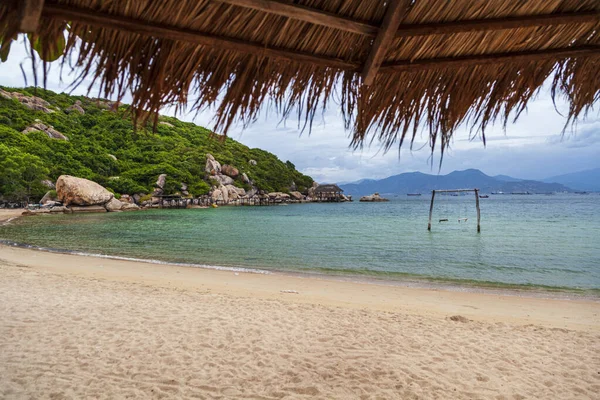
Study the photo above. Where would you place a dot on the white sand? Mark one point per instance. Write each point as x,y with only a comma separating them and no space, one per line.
81,327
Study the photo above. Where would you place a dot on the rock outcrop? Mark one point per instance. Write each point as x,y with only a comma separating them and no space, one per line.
165,123
212,167
48,130
375,197
252,162
81,192
31,102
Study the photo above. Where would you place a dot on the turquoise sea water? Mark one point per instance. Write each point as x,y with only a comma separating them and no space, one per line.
534,240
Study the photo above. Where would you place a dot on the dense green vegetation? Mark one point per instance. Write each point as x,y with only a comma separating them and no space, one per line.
141,154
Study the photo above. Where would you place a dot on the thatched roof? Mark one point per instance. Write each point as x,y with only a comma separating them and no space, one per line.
328,188
392,66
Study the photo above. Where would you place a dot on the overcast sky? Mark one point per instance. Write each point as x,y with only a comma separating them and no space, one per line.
532,148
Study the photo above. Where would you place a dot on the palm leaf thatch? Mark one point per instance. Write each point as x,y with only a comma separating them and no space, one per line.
393,66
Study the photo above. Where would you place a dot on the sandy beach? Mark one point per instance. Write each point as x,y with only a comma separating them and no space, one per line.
74,327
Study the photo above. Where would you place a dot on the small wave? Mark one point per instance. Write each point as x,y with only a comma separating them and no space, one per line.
144,260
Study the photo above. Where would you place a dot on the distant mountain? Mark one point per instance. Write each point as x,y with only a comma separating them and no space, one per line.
506,178
417,182
588,180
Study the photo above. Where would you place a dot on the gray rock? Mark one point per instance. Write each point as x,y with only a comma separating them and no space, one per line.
245,178
375,197
130,207
113,205
216,195
252,162
224,193
223,179
160,182
212,166
165,123
296,195
113,157
48,130
71,190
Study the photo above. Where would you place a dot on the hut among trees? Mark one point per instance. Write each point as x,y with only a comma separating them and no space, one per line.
329,193
393,66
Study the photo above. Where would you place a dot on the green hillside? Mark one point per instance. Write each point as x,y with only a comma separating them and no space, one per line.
102,145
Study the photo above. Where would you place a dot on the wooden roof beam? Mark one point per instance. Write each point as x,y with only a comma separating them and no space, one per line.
330,20
307,14
103,20
528,21
487,59
30,12
396,9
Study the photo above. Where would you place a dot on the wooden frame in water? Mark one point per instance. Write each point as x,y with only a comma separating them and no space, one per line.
433,192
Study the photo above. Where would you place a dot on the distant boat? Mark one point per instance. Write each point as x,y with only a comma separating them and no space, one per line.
581,193
484,196
521,193
498,192
413,194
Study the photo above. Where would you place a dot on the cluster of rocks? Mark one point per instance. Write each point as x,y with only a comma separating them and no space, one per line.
80,195
375,197
49,130
31,102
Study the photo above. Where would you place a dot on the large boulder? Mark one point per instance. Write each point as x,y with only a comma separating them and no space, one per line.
160,182
230,171
81,192
114,205
212,167
296,195
223,179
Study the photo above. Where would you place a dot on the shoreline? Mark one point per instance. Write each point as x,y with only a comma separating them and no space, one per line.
521,308
393,279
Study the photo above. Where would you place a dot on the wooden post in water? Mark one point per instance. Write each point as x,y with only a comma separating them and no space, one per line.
431,210
478,213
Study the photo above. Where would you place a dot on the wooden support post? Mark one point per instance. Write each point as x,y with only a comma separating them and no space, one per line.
394,13
30,12
478,213
431,210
